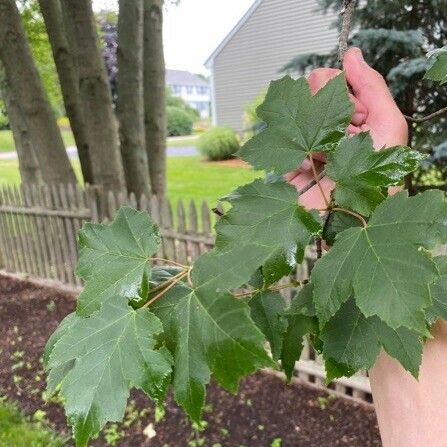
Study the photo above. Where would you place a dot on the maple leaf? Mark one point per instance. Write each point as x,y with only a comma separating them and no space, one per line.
114,259
298,123
108,353
383,265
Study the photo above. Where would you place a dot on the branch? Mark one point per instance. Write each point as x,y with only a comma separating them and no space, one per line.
426,118
312,183
293,283
348,9
317,181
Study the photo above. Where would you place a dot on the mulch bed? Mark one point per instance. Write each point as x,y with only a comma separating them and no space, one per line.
265,409
231,163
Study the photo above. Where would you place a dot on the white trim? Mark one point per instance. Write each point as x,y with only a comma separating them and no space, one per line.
245,17
213,97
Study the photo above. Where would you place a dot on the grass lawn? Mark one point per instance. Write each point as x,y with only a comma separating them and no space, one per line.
7,141
188,178
18,431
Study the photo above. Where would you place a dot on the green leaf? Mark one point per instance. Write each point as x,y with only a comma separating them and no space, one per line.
298,123
299,324
350,338
113,350
383,265
337,222
208,332
267,214
267,310
361,173
335,370
56,374
438,68
114,259
218,272
355,341
438,289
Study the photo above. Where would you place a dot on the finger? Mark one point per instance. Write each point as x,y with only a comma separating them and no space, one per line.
319,77
360,111
368,85
353,130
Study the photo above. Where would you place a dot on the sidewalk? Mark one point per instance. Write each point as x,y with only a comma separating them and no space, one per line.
180,151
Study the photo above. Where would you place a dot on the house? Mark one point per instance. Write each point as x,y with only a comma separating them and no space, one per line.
192,88
268,36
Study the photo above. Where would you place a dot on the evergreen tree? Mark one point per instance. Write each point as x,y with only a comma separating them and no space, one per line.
395,37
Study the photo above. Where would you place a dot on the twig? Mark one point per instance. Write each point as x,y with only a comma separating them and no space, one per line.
319,248
189,276
170,286
426,118
312,183
352,213
348,9
317,181
273,288
167,282
170,262
217,212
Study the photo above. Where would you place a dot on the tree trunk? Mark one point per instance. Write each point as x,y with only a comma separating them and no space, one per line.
26,87
130,106
100,121
68,77
28,165
154,94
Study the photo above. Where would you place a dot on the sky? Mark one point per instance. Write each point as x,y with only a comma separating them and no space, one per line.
193,29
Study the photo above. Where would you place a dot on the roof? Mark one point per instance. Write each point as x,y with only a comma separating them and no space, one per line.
181,77
236,28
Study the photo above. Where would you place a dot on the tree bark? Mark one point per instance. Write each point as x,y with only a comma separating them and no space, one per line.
130,105
154,94
68,77
26,87
100,121
28,165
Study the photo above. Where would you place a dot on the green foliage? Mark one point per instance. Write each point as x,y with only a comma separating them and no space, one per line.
176,101
296,127
361,174
114,260
438,68
218,143
4,120
251,118
102,358
179,121
394,37
41,50
17,431
151,327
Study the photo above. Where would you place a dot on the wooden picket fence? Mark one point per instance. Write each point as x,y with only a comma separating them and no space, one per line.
38,237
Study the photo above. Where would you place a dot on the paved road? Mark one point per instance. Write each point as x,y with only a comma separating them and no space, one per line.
182,151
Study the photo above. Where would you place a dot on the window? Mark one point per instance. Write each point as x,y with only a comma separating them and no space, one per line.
176,89
189,89
202,90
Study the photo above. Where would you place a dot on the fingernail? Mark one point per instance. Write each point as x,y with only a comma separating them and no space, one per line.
358,54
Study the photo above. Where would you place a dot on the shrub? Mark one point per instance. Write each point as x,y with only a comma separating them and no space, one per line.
180,122
4,121
251,118
218,143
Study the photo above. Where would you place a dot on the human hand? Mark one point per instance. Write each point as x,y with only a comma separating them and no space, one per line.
375,111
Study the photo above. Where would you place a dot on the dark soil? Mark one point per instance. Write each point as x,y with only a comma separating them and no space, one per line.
264,410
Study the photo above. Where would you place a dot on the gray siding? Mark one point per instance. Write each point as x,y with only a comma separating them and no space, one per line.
277,31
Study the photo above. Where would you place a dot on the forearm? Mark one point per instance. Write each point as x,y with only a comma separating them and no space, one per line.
413,413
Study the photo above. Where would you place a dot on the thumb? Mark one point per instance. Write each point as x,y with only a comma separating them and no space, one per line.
368,85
